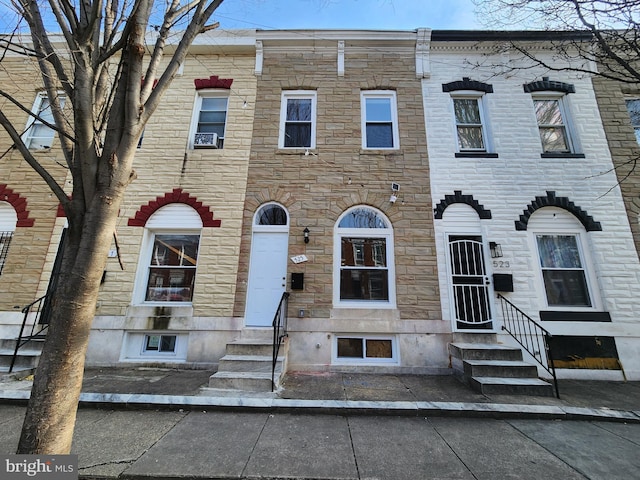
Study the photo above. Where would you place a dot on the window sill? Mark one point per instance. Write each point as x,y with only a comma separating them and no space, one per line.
475,155
296,151
561,155
379,151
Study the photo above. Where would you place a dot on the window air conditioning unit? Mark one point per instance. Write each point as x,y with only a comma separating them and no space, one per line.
206,140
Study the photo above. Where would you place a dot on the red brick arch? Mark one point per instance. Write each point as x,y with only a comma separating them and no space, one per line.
19,204
175,196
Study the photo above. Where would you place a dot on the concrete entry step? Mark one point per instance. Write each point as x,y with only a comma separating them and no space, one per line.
500,368
246,363
512,386
247,366
248,381
484,351
250,347
493,368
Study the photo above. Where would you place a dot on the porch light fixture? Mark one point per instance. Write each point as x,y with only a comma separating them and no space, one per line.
495,249
306,234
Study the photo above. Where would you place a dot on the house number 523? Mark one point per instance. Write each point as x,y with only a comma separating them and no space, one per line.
501,264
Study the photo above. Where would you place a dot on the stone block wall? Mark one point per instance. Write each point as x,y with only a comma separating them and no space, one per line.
338,174
26,272
623,145
215,177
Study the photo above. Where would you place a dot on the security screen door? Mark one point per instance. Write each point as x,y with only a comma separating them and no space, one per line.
469,283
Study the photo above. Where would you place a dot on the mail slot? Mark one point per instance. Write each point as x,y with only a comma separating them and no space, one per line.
297,281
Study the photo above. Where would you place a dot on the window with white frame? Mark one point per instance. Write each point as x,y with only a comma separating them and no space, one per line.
8,220
172,268
157,344
633,107
552,117
379,119
210,120
169,258
563,271
468,117
298,119
39,136
363,260
366,349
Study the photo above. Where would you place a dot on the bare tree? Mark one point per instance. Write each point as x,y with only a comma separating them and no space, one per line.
601,37
108,64
596,38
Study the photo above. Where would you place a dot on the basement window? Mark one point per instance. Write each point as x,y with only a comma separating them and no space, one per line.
164,344
365,350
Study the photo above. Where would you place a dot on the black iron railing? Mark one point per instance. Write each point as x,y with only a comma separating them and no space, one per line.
279,333
530,335
38,311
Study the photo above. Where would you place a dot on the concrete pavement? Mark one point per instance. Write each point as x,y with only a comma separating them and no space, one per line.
345,393
198,444
165,424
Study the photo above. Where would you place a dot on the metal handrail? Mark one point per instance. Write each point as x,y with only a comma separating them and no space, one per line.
532,336
279,333
41,310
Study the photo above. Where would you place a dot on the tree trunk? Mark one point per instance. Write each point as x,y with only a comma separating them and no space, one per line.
50,419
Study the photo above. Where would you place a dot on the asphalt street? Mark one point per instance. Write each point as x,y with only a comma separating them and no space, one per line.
167,444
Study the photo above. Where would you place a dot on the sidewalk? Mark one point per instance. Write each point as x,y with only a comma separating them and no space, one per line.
345,393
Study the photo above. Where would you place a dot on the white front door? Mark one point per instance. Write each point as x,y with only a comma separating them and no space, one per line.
267,277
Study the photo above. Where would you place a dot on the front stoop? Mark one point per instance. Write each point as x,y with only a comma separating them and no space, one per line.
27,358
246,366
492,368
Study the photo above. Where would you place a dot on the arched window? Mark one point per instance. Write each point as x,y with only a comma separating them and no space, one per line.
8,220
364,274
169,255
271,214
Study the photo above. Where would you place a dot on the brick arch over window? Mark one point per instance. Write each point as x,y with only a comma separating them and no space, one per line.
546,85
467,84
176,196
551,200
19,204
213,82
458,197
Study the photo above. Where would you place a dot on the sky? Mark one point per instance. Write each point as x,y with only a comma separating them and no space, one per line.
349,14
327,14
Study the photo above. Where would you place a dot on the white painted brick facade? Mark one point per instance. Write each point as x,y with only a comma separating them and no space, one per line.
508,184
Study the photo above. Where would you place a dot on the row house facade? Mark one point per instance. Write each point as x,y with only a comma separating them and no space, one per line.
397,185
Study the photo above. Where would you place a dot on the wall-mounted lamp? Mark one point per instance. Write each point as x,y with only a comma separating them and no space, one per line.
495,249
306,234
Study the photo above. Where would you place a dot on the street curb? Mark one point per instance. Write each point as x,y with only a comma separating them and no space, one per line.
340,407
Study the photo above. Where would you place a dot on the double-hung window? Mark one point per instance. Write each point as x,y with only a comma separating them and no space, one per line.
363,256
210,120
468,118
298,119
563,271
172,268
39,136
552,118
379,120
633,107
169,256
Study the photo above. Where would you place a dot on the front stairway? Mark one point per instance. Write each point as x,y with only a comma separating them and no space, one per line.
493,368
27,358
247,365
